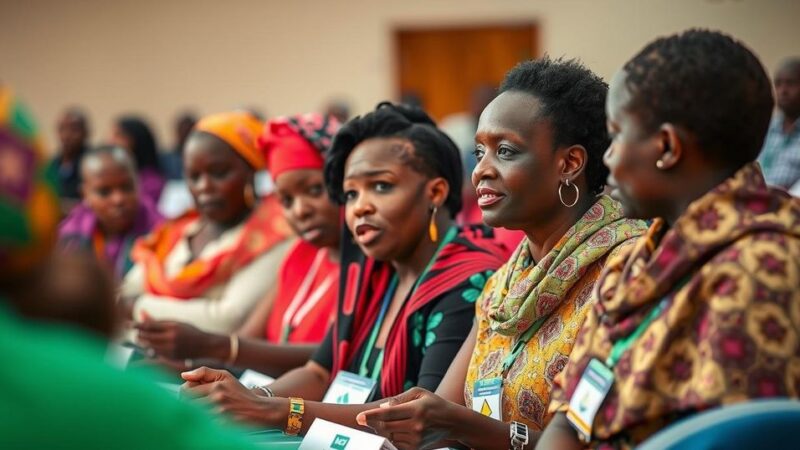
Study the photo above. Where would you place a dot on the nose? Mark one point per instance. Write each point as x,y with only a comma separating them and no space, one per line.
607,155
117,197
202,184
301,208
362,205
484,170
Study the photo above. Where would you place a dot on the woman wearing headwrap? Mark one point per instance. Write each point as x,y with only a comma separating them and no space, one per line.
299,311
68,363
211,266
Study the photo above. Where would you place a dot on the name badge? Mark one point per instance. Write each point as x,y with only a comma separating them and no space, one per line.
486,397
324,435
349,389
251,378
588,396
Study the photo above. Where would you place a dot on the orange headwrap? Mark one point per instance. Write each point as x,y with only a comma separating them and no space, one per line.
297,142
239,129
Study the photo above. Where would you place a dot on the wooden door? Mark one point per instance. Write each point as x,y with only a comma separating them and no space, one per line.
443,66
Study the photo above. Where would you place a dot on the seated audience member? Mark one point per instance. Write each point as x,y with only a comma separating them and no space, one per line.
299,311
780,156
135,136
112,216
210,267
52,375
406,304
172,160
539,173
73,135
702,311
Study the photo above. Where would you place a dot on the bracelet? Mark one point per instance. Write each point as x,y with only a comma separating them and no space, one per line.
234,352
519,435
295,420
267,391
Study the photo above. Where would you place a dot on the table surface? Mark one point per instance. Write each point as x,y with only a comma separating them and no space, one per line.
274,439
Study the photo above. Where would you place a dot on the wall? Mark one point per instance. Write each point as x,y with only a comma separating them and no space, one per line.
157,57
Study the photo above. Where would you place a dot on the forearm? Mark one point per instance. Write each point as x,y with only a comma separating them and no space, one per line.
271,359
559,434
303,382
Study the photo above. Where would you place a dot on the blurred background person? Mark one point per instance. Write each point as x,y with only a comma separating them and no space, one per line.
73,137
112,215
172,159
780,156
134,135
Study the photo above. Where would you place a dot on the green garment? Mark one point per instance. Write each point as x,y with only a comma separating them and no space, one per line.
56,392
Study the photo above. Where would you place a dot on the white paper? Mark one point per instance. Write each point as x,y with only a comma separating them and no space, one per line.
251,379
324,435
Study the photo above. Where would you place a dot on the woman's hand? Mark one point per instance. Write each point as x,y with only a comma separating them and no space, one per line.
414,419
232,398
174,340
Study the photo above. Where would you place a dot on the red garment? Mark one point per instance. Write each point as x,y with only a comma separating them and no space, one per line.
297,142
306,299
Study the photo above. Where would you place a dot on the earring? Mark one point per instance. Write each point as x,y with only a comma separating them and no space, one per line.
660,164
433,231
561,197
249,195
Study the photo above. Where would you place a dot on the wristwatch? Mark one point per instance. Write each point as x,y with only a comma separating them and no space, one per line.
294,423
519,435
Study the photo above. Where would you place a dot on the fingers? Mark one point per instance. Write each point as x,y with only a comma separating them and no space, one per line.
206,375
388,413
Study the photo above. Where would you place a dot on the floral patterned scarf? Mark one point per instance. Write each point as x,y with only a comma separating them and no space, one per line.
526,292
728,272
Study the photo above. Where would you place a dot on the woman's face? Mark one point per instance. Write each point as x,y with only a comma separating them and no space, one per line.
217,178
517,175
309,211
109,190
632,156
387,203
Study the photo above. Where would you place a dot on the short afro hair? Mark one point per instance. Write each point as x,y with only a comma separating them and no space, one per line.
708,83
573,98
436,154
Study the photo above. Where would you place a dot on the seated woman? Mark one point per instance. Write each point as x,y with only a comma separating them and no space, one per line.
210,267
300,309
406,303
111,216
540,173
133,134
703,311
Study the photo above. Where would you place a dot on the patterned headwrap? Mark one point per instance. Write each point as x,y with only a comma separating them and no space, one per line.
297,142
239,129
29,208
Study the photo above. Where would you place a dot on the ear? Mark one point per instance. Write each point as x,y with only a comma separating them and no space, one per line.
437,191
573,162
670,146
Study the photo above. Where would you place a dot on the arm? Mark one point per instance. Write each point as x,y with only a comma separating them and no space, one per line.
452,386
559,435
254,326
226,314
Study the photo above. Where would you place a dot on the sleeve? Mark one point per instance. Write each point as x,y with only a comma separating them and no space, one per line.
323,355
133,283
227,313
442,335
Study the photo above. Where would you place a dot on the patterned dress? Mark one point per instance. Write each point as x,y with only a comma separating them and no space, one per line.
728,273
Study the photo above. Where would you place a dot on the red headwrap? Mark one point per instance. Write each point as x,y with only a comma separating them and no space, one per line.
297,142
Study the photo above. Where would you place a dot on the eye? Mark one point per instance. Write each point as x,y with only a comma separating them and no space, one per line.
103,192
349,196
218,172
382,186
506,151
315,190
479,152
286,201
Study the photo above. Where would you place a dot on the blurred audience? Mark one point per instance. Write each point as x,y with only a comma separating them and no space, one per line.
780,156
73,137
135,136
172,160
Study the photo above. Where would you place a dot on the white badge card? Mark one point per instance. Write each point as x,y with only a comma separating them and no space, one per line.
588,396
349,389
324,435
252,378
486,397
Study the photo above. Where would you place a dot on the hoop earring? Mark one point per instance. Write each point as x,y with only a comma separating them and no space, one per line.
433,231
561,197
249,195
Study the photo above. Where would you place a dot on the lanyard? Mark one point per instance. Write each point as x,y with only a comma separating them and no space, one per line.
295,312
520,345
387,299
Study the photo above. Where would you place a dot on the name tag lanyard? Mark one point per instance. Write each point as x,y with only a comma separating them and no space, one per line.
302,302
387,299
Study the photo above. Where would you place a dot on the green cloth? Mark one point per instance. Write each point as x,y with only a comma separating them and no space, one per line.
56,392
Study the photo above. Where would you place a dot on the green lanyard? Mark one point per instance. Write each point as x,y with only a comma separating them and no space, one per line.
387,298
522,342
625,343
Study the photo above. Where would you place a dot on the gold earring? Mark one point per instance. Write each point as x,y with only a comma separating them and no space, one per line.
433,231
249,195
660,164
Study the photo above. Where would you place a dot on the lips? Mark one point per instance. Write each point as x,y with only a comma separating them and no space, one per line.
311,234
488,196
367,234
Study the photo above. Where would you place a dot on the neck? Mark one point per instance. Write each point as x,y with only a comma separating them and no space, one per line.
217,228
703,183
334,253
789,120
543,237
410,267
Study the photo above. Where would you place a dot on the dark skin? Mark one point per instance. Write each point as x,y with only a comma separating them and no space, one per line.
519,168
314,218
109,189
787,93
217,177
645,190
72,133
384,190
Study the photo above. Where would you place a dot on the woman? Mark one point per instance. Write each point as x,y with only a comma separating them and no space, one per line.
704,310
406,302
133,134
540,173
111,216
210,267
300,310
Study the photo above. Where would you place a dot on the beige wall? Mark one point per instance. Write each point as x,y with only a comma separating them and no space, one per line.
157,57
